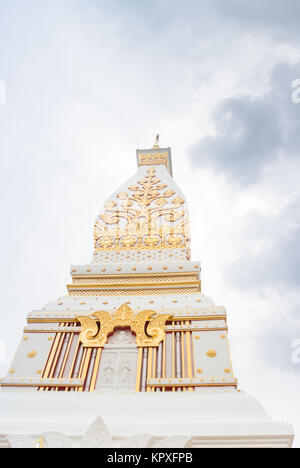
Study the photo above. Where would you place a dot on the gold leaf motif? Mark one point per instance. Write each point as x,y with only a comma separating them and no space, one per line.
106,242
140,323
89,327
128,241
178,201
174,239
161,202
174,216
106,327
122,196
152,240
169,193
124,314
32,354
126,204
110,205
211,353
156,327
139,214
148,328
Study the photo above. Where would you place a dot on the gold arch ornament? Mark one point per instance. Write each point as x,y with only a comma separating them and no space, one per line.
148,327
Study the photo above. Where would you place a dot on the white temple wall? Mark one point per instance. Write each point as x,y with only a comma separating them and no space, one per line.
31,355
212,359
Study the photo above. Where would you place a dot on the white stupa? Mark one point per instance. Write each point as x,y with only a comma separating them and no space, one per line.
134,355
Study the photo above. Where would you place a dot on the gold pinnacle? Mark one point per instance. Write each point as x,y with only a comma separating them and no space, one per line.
156,144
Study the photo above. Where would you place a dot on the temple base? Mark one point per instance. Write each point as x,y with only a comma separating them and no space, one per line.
166,420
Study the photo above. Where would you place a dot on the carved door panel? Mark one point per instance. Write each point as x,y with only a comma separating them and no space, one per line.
118,364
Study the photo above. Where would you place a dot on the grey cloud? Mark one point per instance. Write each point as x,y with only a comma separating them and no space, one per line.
276,343
278,19
247,135
253,133
275,338
277,265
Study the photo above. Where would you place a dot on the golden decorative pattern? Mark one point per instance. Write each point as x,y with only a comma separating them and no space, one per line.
154,159
12,371
162,284
136,278
211,353
150,216
148,328
134,292
32,354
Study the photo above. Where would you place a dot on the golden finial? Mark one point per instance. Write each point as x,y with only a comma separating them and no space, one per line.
156,144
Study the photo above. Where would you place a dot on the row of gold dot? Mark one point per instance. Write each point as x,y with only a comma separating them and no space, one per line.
150,302
193,314
201,380
180,267
139,252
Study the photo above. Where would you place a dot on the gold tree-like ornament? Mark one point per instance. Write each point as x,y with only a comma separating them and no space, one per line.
147,326
136,215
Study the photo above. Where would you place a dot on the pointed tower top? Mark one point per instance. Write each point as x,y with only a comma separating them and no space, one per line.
147,215
156,144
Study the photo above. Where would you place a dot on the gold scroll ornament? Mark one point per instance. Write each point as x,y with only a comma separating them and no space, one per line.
149,216
147,326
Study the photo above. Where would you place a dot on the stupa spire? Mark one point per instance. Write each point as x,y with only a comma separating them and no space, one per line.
134,321
147,217
156,144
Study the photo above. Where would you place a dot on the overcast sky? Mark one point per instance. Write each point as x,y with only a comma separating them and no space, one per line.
88,82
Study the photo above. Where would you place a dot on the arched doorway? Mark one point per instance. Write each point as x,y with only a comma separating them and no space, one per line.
118,364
